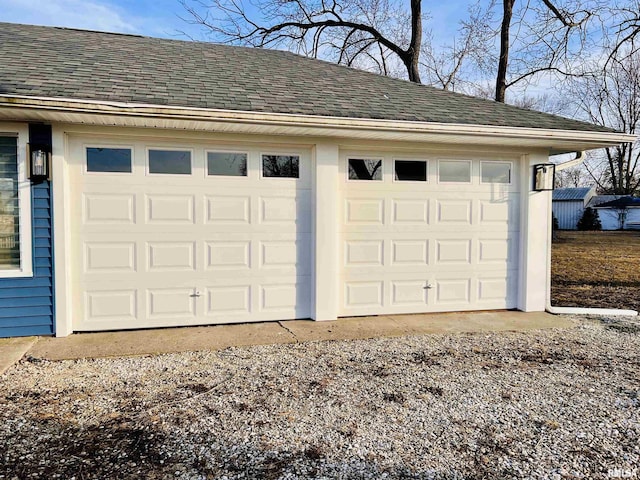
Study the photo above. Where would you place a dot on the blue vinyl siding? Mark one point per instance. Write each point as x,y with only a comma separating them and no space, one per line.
26,304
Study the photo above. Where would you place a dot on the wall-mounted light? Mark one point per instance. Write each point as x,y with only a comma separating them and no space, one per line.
39,162
544,176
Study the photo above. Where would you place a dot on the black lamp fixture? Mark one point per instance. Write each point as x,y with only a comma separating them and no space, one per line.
544,177
39,162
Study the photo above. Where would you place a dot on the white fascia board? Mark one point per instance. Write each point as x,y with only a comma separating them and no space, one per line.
171,117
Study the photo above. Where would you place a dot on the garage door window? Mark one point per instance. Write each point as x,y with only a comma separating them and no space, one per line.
227,164
410,170
283,166
107,159
174,162
15,215
365,169
454,171
496,172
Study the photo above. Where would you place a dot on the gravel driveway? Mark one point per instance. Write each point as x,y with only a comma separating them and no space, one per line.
542,404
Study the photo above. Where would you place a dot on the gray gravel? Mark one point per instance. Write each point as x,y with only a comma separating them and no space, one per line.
542,404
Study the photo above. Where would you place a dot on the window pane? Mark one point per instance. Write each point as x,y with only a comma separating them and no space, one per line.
454,171
281,166
411,170
108,159
227,164
177,162
365,169
9,208
496,172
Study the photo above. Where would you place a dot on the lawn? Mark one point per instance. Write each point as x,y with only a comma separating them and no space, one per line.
596,269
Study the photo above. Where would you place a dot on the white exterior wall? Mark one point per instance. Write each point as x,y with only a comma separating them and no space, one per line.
535,239
609,218
568,213
535,209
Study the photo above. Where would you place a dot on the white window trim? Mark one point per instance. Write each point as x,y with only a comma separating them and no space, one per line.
510,182
226,150
86,170
170,149
280,154
24,202
407,159
459,160
366,157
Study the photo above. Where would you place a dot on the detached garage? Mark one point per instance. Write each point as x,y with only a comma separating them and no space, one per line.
193,184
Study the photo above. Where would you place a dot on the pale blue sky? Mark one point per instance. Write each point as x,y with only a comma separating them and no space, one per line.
161,18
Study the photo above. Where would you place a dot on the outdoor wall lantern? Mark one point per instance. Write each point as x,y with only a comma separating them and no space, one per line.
544,176
39,162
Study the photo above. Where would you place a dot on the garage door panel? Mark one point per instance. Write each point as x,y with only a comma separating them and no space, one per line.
409,292
110,257
454,212
225,254
456,291
411,247
410,252
225,210
364,253
410,211
359,294
113,305
109,208
171,256
365,211
163,250
171,303
170,209
229,299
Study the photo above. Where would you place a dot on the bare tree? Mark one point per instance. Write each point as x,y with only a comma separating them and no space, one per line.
358,30
573,177
535,37
449,66
612,99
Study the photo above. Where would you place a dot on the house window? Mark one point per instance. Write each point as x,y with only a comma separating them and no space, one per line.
365,169
454,171
496,172
284,166
173,162
227,164
15,215
108,160
410,170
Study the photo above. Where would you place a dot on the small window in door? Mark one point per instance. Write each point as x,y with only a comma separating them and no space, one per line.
410,170
108,160
283,166
365,169
454,171
496,172
173,162
227,164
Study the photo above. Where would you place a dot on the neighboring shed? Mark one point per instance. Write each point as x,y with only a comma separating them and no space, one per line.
617,212
569,204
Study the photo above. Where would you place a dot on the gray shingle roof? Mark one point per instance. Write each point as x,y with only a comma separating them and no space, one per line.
570,194
66,63
600,199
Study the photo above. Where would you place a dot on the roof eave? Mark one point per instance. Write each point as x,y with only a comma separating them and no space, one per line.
161,116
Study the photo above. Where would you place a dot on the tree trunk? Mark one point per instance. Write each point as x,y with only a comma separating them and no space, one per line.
413,52
501,79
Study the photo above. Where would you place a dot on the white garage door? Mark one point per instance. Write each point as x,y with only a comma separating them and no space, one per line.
428,234
180,234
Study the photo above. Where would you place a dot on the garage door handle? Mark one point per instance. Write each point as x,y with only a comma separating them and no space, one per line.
197,294
427,287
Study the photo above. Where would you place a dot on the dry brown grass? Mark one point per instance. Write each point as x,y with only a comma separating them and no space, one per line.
596,269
